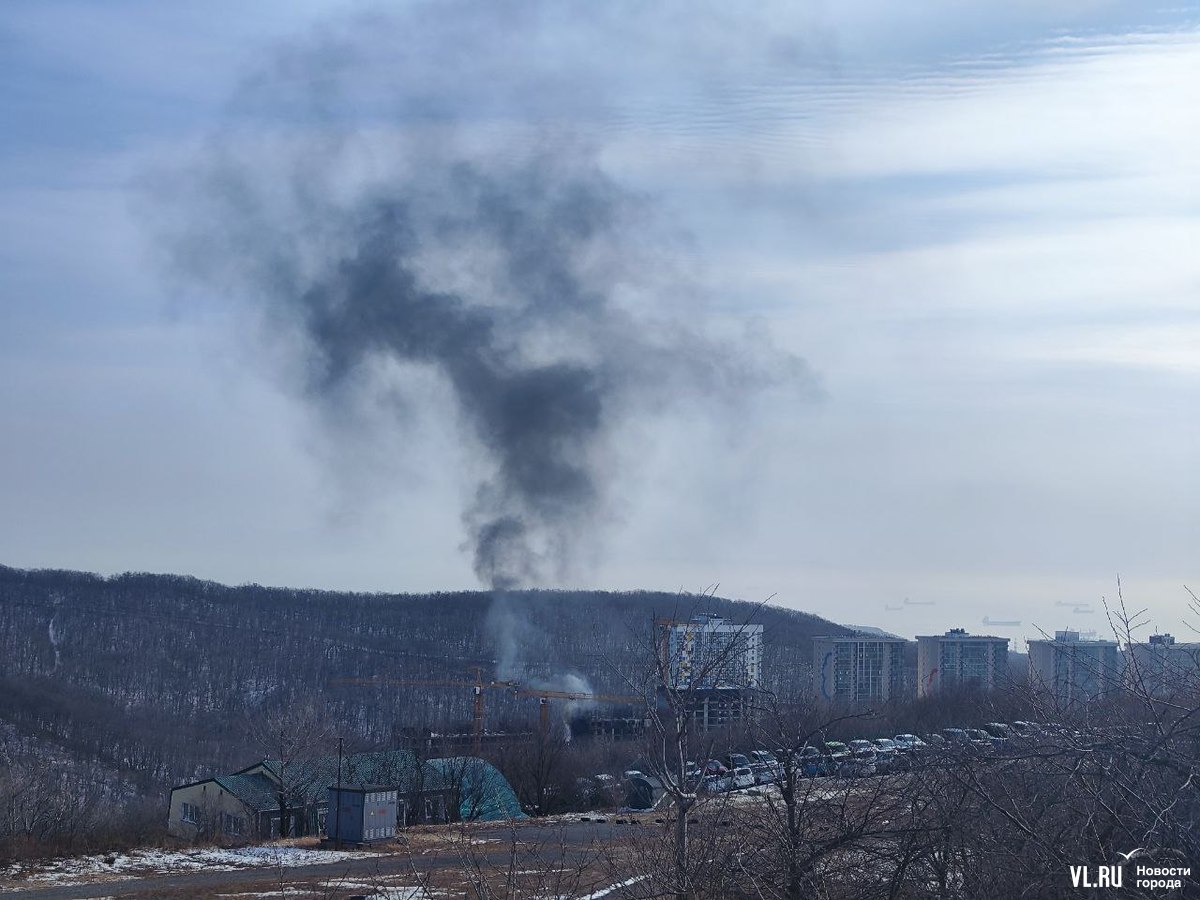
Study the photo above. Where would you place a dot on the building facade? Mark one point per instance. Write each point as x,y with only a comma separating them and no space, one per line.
858,668
708,653
1164,668
959,660
1072,669
713,666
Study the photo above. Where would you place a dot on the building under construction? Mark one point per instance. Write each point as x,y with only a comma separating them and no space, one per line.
714,667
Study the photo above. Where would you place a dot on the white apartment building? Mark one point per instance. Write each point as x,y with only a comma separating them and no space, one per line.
960,660
1164,668
858,668
1072,669
708,653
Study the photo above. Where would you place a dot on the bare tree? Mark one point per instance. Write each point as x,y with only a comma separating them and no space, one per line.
676,750
293,740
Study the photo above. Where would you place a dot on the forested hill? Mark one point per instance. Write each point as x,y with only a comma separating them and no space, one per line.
161,674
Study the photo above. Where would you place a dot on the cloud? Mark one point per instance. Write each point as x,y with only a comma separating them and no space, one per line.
975,221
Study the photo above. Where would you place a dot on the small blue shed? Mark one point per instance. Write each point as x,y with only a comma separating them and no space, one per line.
361,813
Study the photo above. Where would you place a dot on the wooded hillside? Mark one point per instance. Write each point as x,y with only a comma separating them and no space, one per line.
158,678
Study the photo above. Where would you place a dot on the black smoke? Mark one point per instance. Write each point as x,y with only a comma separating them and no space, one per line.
520,274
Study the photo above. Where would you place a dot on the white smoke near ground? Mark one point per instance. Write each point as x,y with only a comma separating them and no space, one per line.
511,634
517,640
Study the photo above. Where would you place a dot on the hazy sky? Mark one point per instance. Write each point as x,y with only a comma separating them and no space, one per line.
975,232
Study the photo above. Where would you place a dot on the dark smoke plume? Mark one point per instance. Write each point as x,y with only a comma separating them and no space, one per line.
523,277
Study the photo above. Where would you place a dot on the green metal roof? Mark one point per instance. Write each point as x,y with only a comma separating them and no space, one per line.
256,791
486,794
311,777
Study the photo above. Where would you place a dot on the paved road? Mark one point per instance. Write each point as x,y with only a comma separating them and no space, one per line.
569,841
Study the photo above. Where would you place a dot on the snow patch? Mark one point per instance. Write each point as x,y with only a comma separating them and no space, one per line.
140,863
604,892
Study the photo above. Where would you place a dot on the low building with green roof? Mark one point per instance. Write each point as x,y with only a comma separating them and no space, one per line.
274,798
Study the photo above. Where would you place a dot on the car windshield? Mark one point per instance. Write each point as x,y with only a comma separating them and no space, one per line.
886,743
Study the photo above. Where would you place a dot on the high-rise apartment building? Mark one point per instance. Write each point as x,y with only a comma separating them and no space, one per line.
716,664
858,668
1072,669
1163,668
960,660
708,653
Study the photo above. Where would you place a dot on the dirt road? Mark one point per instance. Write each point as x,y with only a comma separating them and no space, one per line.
566,852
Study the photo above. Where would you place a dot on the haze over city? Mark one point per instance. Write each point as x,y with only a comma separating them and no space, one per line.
887,312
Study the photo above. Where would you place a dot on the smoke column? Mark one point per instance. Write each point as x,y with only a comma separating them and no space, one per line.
519,274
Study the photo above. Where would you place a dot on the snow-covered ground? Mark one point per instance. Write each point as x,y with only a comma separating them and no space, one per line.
141,863
376,891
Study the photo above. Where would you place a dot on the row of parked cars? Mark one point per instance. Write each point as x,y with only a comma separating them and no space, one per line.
907,751
863,757
735,771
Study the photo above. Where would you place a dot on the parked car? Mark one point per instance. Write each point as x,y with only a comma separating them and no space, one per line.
864,759
968,740
888,755
910,743
958,741
743,777
999,734
715,767
983,741
806,762
716,784
838,756
763,774
811,762
768,759
1025,731
736,760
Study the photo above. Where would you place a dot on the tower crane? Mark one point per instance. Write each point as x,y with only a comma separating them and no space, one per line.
478,686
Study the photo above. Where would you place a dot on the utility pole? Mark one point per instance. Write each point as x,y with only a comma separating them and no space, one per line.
337,812
477,712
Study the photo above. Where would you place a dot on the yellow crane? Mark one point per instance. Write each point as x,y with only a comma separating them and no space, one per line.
478,686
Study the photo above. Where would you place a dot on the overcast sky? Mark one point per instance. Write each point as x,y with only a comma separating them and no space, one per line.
974,232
